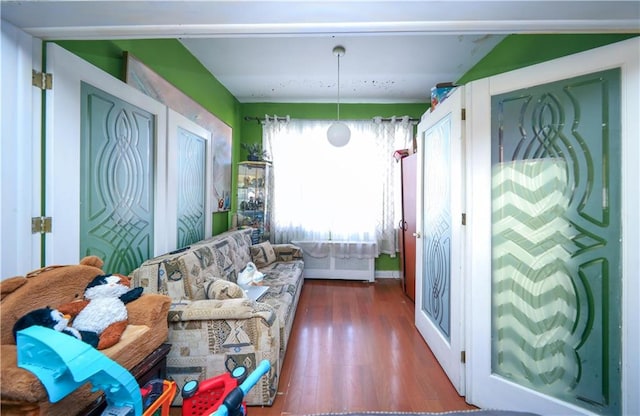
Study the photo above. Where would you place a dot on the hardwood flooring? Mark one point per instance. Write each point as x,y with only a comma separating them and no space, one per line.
354,347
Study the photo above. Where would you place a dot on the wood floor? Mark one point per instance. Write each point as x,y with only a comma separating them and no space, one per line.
354,347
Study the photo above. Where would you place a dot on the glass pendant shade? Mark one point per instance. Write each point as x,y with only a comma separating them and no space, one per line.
338,134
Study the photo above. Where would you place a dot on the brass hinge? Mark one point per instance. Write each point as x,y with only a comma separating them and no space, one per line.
464,218
463,114
463,357
40,225
41,80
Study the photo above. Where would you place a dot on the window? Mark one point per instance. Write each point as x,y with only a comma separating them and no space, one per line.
326,193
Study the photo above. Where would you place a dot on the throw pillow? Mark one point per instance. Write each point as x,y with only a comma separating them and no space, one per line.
263,254
221,289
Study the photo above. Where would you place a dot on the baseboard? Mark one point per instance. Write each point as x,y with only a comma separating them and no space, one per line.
387,274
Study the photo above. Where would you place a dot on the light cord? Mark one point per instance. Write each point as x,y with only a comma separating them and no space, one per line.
338,87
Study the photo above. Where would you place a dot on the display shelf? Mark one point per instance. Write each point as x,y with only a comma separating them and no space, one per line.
255,191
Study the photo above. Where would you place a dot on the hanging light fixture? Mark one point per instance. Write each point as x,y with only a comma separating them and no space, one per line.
338,133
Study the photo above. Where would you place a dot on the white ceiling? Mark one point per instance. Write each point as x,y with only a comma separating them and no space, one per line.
281,51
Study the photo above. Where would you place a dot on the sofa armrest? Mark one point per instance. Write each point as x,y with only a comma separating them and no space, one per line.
287,252
148,309
207,335
227,309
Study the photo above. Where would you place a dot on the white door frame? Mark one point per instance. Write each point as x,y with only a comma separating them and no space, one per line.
483,388
177,121
63,151
20,152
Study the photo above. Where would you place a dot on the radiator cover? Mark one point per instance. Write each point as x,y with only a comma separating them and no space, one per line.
331,266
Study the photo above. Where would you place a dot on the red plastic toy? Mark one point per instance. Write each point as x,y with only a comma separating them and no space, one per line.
204,398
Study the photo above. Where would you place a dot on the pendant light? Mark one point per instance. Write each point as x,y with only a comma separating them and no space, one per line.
338,133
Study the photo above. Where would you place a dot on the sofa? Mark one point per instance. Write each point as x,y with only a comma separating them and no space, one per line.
213,325
21,392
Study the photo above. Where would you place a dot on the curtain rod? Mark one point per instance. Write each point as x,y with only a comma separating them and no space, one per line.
262,119
284,118
411,119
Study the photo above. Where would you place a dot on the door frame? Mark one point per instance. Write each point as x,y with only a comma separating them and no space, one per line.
20,152
482,385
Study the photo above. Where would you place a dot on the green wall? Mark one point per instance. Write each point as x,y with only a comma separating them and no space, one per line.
252,130
518,51
175,63
171,60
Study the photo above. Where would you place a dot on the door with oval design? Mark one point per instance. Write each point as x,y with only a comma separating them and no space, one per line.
548,216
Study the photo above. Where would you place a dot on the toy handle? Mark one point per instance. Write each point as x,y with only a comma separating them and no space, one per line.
239,392
254,377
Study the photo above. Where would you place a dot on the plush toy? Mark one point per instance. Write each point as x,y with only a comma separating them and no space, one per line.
250,275
103,309
53,319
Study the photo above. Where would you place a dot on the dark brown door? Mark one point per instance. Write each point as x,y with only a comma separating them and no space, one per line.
408,225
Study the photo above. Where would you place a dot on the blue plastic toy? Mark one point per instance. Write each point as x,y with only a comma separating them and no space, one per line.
64,363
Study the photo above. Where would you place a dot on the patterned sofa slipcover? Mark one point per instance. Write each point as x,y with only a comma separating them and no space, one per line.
210,334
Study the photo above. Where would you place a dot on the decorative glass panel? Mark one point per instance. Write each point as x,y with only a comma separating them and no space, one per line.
191,187
437,225
116,194
556,239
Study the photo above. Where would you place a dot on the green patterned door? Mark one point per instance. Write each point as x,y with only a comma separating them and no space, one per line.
556,239
191,187
189,204
116,186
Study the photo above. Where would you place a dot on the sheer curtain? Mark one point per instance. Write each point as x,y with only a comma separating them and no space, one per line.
323,192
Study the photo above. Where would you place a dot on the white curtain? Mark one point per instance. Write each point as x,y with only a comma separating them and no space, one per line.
345,193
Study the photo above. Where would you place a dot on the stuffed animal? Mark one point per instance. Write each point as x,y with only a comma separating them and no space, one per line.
103,309
53,319
250,275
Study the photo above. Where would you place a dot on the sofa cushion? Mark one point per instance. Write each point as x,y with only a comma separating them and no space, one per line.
240,244
285,284
223,289
287,252
224,252
263,254
177,282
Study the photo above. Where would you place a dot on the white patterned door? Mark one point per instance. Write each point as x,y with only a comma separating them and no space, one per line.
439,249
553,178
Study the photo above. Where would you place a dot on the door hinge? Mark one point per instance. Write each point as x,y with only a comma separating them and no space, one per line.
463,114
464,218
41,80
40,225
463,357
